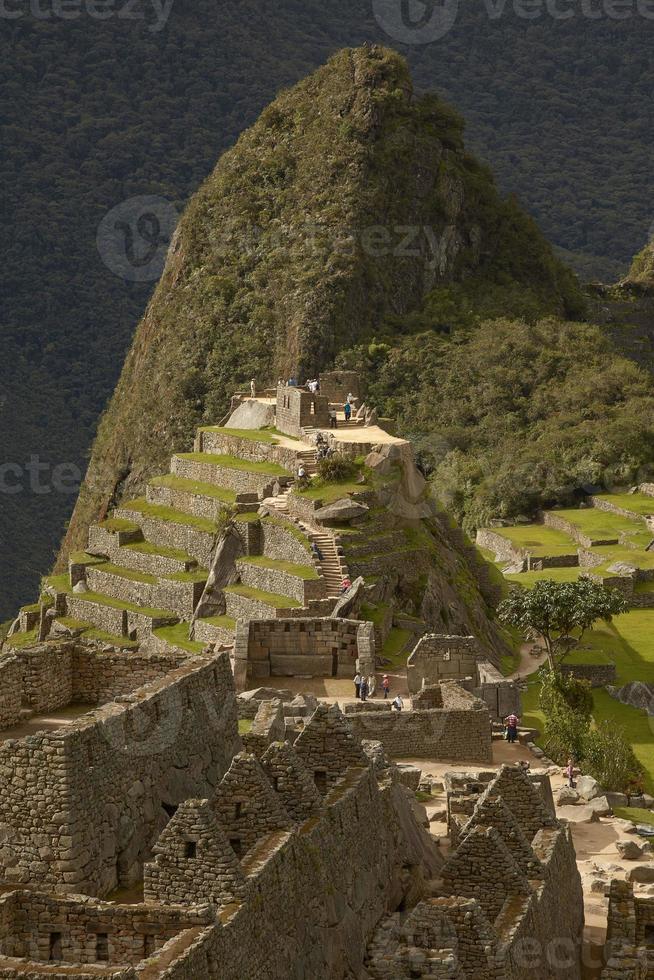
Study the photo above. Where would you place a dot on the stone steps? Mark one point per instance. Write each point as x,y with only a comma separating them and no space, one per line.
175,530
179,597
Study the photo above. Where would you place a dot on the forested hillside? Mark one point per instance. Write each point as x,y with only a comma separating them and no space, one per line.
97,112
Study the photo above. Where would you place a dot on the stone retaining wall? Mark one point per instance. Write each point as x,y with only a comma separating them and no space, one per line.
222,444
599,675
283,583
223,476
279,541
438,657
501,547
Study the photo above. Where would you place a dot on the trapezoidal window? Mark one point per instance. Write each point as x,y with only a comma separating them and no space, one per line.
102,947
54,948
190,849
236,845
320,779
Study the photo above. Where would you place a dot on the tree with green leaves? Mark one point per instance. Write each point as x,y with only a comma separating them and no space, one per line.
559,613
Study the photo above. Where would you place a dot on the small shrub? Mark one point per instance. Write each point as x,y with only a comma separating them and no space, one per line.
336,468
610,759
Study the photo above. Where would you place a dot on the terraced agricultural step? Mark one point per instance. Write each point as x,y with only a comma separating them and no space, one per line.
141,589
169,528
190,496
244,602
143,556
109,535
299,582
216,629
114,616
227,472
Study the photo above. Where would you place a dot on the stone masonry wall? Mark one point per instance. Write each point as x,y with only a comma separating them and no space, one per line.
437,657
599,675
281,582
11,687
47,676
99,676
237,480
446,734
82,806
280,542
132,932
287,647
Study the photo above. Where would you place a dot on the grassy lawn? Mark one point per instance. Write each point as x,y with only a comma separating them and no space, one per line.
118,524
234,463
269,598
147,548
599,525
196,487
638,503
83,558
305,572
539,540
376,614
254,435
529,579
395,646
19,640
127,573
225,621
163,513
177,636
628,642
634,813
637,725
616,552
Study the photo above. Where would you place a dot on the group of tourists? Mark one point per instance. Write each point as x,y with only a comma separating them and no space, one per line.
365,687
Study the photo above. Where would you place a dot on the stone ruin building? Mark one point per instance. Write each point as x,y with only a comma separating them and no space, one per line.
143,837
629,951
506,903
437,658
159,819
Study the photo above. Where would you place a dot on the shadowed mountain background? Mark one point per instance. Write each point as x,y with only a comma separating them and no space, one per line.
97,112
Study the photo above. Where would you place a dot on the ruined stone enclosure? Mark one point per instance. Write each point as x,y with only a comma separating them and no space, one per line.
83,800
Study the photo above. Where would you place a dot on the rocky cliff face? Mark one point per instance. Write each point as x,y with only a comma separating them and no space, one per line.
349,200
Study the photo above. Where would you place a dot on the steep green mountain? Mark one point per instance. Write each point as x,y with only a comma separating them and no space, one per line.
97,111
347,202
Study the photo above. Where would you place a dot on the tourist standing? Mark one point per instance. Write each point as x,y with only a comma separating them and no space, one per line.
397,703
253,388
570,773
386,686
372,685
363,689
333,421
345,585
512,721
315,551
357,684
347,409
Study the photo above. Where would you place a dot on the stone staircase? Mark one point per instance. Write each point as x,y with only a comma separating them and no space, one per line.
332,566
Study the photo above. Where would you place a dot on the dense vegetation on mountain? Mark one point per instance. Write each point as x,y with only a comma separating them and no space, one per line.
278,263
511,415
97,111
